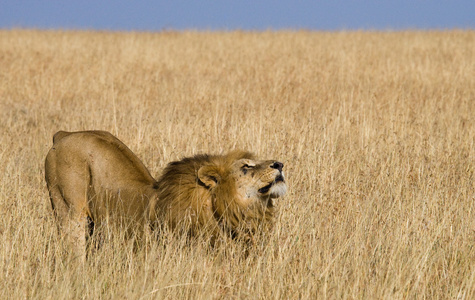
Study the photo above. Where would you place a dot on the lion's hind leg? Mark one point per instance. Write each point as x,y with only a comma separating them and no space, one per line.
68,195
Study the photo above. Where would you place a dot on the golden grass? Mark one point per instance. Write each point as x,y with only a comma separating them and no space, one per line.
376,130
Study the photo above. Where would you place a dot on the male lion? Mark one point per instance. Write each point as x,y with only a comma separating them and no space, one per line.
94,179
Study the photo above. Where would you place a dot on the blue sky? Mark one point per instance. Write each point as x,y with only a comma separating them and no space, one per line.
148,15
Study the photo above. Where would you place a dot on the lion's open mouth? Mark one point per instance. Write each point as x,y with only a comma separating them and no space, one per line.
266,189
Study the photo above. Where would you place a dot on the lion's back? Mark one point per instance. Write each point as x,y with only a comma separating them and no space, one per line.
109,161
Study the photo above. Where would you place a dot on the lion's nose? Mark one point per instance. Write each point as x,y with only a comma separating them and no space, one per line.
277,165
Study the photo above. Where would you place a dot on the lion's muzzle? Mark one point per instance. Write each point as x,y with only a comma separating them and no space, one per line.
277,186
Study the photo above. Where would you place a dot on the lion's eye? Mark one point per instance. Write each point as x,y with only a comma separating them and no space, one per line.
246,168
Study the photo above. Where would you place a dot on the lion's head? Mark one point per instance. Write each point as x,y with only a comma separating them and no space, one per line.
232,192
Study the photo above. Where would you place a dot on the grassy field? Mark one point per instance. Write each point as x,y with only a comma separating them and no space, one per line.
376,131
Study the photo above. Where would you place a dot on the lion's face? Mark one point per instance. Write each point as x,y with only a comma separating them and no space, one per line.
250,180
259,178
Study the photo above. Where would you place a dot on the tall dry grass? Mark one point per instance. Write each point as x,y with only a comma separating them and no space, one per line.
376,131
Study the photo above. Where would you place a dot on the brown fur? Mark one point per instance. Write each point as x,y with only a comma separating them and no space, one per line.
93,178
211,192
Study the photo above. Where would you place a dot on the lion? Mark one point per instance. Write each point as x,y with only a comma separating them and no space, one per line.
94,179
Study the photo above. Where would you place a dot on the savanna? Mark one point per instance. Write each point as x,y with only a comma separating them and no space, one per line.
376,131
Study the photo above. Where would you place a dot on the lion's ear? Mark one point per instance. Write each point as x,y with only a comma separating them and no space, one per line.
209,176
